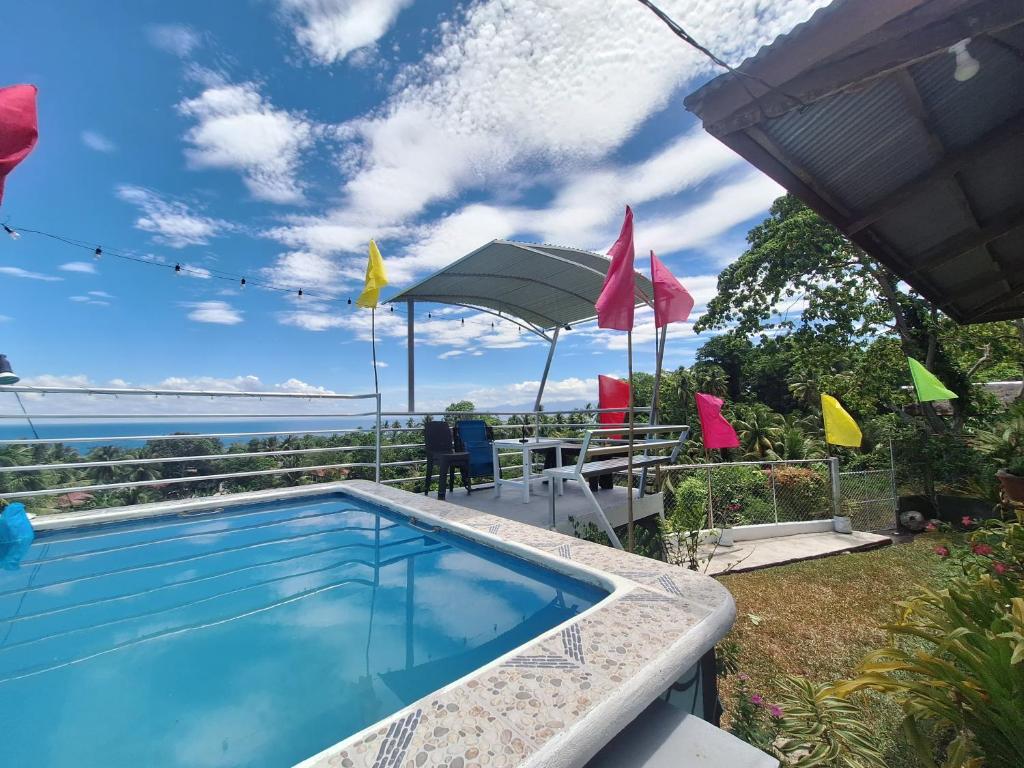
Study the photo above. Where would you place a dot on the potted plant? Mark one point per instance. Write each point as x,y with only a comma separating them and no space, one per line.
1012,480
1005,446
843,522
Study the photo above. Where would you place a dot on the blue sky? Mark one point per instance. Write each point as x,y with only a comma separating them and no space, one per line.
273,138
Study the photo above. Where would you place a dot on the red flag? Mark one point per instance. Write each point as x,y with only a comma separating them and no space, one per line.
612,393
672,302
718,433
18,127
615,304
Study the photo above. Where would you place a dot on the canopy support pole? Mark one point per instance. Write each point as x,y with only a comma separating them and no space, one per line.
657,372
652,419
411,354
547,368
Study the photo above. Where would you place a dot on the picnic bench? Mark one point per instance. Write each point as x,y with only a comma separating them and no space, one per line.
605,451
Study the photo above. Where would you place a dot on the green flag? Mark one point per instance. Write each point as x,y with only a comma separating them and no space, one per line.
927,385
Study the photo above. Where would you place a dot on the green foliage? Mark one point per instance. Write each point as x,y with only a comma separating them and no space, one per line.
960,666
802,489
819,728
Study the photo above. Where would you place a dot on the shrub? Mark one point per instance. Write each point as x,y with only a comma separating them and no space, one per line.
802,493
960,666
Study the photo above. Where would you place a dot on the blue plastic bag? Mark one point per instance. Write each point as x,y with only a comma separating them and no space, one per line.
15,525
16,535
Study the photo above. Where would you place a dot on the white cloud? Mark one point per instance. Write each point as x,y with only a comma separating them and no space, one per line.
537,81
729,205
89,300
177,39
237,129
330,30
570,390
100,294
381,364
171,221
217,312
311,271
85,267
27,275
97,142
5,318
191,270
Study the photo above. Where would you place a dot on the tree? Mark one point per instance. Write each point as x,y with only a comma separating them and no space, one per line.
801,275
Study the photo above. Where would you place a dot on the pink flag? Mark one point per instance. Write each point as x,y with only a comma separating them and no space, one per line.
18,127
718,433
672,302
615,304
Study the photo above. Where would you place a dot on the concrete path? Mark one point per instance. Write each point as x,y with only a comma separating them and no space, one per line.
764,553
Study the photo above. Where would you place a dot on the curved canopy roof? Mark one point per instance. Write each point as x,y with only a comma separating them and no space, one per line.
547,286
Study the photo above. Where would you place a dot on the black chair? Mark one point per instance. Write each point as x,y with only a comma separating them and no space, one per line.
441,451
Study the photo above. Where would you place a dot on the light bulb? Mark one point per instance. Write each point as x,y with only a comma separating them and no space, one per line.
966,65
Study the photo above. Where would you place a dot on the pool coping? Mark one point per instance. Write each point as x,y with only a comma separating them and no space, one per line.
551,703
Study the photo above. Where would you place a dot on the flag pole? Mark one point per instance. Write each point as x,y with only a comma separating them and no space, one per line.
629,448
373,347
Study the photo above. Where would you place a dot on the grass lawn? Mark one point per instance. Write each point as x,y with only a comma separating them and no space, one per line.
819,617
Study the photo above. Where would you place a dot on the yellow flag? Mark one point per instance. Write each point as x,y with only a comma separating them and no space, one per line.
840,428
376,278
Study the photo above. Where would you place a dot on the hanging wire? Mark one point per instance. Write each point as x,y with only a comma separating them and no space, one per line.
180,269
739,74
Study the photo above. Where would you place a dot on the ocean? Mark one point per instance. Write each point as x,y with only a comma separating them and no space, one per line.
119,433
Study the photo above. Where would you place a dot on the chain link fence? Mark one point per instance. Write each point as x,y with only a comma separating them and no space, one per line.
756,493
749,493
869,498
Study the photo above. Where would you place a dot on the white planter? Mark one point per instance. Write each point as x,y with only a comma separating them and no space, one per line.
725,537
842,525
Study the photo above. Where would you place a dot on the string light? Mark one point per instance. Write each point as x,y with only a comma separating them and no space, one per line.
181,269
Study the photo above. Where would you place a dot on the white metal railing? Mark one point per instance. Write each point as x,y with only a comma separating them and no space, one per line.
102,407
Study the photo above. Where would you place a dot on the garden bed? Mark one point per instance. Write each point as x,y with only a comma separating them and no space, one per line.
818,619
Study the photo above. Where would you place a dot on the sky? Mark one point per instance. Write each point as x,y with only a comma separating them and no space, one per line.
274,138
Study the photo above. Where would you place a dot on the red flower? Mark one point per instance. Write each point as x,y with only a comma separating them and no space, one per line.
775,711
982,549
931,527
757,700
1000,568
966,521
941,551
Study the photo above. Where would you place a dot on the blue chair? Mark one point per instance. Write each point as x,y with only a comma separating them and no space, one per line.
475,437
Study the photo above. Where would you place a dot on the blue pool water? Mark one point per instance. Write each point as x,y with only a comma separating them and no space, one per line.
254,637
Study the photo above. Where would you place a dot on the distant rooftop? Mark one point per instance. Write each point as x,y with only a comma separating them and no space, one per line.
872,123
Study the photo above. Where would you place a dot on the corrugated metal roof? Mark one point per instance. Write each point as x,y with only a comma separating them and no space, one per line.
548,286
868,125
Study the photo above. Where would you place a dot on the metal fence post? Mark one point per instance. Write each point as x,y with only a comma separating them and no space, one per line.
775,500
892,478
833,471
376,457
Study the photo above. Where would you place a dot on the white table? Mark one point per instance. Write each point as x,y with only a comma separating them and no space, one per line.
526,448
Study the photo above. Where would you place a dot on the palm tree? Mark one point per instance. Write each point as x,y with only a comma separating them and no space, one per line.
759,430
712,379
105,474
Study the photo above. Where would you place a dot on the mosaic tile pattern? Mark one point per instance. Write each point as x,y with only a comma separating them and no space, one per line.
658,621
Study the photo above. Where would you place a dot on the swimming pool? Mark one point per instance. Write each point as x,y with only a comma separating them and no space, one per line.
257,635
